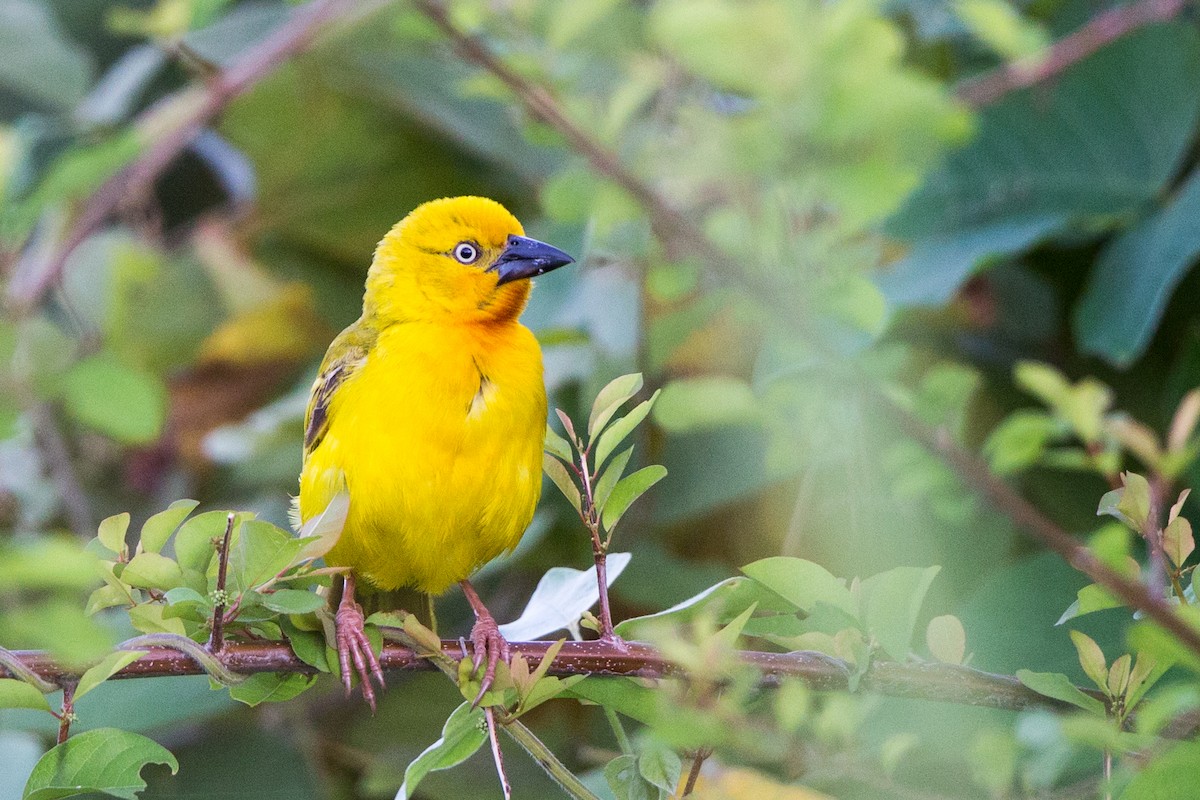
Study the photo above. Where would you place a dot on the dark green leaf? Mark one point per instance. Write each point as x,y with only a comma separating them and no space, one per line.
626,781
463,734
105,760
270,687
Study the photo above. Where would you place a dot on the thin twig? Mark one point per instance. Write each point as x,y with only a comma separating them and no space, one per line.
673,229
197,108
497,756
694,773
216,639
1098,32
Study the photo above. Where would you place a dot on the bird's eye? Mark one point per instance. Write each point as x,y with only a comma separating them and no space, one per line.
466,252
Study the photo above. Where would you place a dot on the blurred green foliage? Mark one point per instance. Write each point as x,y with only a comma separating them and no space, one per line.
879,245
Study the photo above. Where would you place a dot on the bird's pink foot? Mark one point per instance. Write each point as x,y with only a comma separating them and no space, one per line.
490,647
354,648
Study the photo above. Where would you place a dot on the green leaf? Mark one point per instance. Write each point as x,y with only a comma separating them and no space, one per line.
1132,280
1042,159
1059,687
610,398
112,532
19,694
622,427
1089,599
115,399
1091,658
1166,775
152,571
723,601
194,548
270,687
1135,500
107,667
891,602
150,618
1019,441
1178,542
159,527
463,734
627,490
41,63
610,476
293,601
105,760
802,583
561,597
693,404
558,446
260,553
946,639
555,470
626,780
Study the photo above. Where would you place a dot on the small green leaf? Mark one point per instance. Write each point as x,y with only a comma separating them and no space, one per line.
463,734
621,428
194,548
1135,500
1019,441
19,694
105,597
293,601
159,527
946,639
1091,658
1178,542
108,666
558,446
1089,599
152,571
627,490
149,618
626,780
891,602
270,687
610,398
1118,676
610,476
660,766
112,533
555,470
104,760
1059,687
261,552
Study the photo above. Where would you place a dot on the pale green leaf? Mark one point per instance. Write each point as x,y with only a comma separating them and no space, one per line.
112,532
107,667
621,428
1091,658
558,446
463,734
1059,687
555,470
159,527
610,398
152,571
19,694
610,476
627,490
946,639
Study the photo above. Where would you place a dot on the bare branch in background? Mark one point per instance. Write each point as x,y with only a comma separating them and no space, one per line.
1099,32
196,107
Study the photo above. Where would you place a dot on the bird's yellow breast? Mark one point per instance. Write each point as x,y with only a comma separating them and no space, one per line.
439,436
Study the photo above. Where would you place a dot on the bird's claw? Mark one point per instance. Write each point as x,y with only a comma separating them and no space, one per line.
491,646
354,647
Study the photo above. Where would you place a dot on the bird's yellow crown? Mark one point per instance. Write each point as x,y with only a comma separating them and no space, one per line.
434,265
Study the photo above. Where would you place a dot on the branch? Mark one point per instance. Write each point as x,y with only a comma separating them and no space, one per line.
1100,31
823,673
975,473
677,233
193,109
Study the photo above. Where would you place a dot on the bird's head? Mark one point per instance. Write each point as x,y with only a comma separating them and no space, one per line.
464,258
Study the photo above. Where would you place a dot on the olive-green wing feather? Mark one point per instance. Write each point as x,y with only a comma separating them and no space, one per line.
346,355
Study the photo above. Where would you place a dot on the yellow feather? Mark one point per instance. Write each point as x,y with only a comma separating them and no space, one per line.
432,406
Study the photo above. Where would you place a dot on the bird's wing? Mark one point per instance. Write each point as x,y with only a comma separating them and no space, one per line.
346,355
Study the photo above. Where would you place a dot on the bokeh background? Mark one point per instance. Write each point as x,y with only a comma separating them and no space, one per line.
837,228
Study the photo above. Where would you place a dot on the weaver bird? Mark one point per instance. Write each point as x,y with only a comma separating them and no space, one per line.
431,412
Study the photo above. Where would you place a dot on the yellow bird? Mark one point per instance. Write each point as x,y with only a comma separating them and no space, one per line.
431,411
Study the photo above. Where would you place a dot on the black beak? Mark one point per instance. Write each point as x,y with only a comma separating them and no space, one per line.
526,258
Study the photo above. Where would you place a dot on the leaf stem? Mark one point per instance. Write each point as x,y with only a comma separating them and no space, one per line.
545,758
694,773
68,710
618,729
497,756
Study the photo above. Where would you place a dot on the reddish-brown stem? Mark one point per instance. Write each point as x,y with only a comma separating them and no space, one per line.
68,709
497,756
1100,31
694,772
216,639
591,519
198,107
